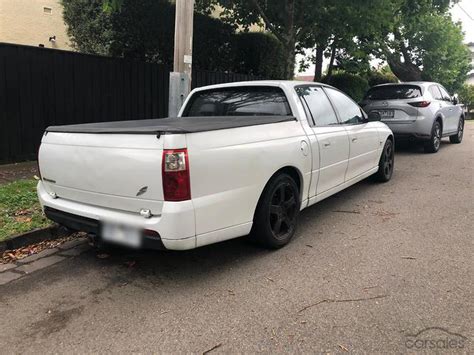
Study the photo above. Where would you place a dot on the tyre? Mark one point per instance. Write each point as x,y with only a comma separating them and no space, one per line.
433,144
386,163
276,216
457,138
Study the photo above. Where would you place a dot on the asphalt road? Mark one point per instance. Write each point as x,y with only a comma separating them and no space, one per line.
369,268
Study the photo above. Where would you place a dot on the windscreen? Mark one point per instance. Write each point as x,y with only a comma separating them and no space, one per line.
393,92
239,101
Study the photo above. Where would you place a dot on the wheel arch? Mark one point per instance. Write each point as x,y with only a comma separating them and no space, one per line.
290,170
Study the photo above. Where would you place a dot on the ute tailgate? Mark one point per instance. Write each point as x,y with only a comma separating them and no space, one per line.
117,171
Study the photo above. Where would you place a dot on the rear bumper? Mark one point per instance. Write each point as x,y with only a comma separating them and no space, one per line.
419,128
175,225
92,226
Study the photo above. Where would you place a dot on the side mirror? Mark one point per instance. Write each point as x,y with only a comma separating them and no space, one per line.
374,116
454,100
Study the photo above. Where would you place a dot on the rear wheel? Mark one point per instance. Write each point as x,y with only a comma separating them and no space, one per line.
277,212
386,163
457,138
433,144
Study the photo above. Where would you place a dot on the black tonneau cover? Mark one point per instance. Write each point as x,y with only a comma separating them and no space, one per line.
171,125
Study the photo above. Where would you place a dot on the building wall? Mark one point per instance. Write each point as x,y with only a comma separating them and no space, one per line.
33,22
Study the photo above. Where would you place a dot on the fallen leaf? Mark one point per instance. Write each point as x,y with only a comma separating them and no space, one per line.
343,347
23,219
211,349
344,211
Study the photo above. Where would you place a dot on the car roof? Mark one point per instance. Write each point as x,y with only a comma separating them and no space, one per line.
275,83
417,83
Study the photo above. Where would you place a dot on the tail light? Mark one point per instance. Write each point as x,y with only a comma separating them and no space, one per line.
420,103
175,174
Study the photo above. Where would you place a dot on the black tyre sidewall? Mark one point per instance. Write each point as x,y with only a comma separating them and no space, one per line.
429,145
261,229
381,173
455,137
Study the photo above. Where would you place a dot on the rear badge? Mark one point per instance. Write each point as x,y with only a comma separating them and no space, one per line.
142,190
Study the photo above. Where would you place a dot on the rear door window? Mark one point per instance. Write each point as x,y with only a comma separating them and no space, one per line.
318,104
239,101
349,111
444,94
393,92
434,91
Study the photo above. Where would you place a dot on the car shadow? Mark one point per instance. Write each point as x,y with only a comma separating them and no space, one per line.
187,266
410,147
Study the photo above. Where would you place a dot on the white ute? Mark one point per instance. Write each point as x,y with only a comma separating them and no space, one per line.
241,158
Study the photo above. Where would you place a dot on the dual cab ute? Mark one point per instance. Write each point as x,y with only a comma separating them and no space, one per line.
241,158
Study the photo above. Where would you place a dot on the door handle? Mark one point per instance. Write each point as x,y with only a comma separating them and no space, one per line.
327,144
354,140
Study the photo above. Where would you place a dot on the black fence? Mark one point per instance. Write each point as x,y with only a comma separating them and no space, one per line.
40,87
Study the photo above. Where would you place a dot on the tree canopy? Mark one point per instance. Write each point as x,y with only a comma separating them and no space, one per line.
417,38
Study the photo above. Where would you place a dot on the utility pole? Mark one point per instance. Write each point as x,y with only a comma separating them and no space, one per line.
180,79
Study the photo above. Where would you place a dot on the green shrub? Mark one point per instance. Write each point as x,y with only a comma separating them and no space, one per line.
353,85
259,54
377,78
466,97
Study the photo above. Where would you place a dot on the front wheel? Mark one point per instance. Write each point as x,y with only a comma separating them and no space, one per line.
457,138
277,212
386,163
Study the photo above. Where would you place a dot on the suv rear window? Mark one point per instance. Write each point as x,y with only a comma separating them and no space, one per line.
239,101
393,92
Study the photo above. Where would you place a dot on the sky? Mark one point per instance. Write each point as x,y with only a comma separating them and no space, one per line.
462,12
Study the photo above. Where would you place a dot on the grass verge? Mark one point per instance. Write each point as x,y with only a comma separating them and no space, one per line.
20,210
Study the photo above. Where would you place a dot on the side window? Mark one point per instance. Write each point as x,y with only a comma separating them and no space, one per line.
434,91
444,93
349,111
318,104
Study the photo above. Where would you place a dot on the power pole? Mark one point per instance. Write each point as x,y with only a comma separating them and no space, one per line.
180,79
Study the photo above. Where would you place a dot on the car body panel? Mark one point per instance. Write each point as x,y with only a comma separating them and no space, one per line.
417,122
101,176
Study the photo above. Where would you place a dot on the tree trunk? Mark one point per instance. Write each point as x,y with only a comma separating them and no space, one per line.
331,61
318,70
405,71
289,52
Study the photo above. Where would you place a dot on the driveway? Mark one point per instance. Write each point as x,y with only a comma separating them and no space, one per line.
377,268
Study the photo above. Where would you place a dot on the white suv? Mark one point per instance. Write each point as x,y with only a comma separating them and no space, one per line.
421,110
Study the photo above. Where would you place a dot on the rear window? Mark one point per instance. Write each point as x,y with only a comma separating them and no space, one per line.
239,101
393,92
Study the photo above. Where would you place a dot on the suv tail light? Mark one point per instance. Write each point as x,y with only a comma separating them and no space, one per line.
175,174
420,104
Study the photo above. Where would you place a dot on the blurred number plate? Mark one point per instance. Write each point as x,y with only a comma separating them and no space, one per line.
120,234
387,113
